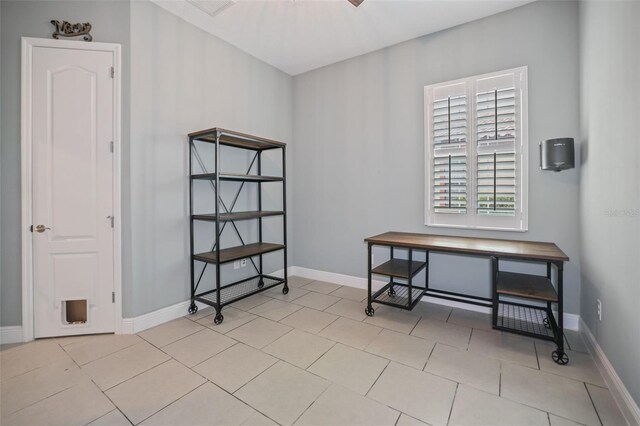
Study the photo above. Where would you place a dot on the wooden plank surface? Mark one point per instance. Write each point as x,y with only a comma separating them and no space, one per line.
471,245
398,268
241,140
238,215
239,252
525,285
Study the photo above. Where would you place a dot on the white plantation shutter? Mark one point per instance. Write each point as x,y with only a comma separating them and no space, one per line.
448,131
449,154
476,152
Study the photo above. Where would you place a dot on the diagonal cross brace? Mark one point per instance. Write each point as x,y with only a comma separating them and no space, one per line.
227,210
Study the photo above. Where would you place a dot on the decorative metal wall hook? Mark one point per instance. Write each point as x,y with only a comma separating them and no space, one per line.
67,29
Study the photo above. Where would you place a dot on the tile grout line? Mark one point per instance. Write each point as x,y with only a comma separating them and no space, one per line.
500,379
453,401
398,419
318,359
133,377
313,402
593,403
376,381
172,402
104,415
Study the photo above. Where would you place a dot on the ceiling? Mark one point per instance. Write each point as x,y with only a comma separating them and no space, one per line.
300,35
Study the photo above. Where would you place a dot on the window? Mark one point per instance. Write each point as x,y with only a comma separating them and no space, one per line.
476,152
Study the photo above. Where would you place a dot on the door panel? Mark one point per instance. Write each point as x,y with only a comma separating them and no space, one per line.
73,149
72,117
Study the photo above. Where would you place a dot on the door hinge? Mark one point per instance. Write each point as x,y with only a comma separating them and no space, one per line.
31,228
113,297
111,218
113,72
111,146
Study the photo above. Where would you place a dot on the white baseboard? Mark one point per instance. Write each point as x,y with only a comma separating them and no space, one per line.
571,321
11,334
619,392
160,316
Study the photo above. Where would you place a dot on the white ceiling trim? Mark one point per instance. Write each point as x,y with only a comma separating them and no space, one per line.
297,36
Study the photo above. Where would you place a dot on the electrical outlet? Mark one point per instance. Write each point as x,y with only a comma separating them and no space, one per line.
599,305
243,263
236,264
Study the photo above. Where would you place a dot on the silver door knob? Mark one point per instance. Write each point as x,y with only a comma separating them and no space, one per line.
41,228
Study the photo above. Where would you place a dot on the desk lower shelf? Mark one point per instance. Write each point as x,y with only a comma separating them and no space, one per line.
533,321
397,295
528,286
398,268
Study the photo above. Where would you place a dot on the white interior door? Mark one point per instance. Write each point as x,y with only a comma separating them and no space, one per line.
72,107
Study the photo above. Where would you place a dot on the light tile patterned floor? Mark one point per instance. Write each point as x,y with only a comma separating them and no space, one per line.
309,358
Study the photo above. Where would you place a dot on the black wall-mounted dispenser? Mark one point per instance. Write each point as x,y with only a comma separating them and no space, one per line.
557,154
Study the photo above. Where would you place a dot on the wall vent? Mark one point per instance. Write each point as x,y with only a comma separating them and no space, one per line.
212,7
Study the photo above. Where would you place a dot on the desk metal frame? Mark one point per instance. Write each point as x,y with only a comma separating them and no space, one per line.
536,252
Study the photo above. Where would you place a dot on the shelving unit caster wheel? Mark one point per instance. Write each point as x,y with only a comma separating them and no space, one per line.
285,290
193,308
546,323
260,283
369,311
559,357
218,319
391,292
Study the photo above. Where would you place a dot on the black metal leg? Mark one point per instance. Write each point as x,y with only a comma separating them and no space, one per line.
369,309
193,308
392,291
285,288
559,355
546,322
426,271
494,289
410,275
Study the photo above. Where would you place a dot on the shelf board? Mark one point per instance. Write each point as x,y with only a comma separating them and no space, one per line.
525,285
236,139
225,217
237,177
398,268
239,252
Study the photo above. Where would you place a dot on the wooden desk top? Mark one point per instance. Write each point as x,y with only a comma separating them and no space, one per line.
470,245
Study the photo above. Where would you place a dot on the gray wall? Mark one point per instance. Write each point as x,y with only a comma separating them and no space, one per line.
185,80
177,79
361,122
110,21
610,181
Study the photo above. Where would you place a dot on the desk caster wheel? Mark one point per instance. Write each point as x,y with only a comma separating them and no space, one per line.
546,323
391,292
369,311
260,283
193,308
218,319
285,290
559,357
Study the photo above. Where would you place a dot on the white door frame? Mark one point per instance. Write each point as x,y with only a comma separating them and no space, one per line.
28,44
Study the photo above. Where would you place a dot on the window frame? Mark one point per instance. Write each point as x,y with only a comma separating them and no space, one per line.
471,219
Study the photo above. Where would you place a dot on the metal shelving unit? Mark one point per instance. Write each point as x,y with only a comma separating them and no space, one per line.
224,294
